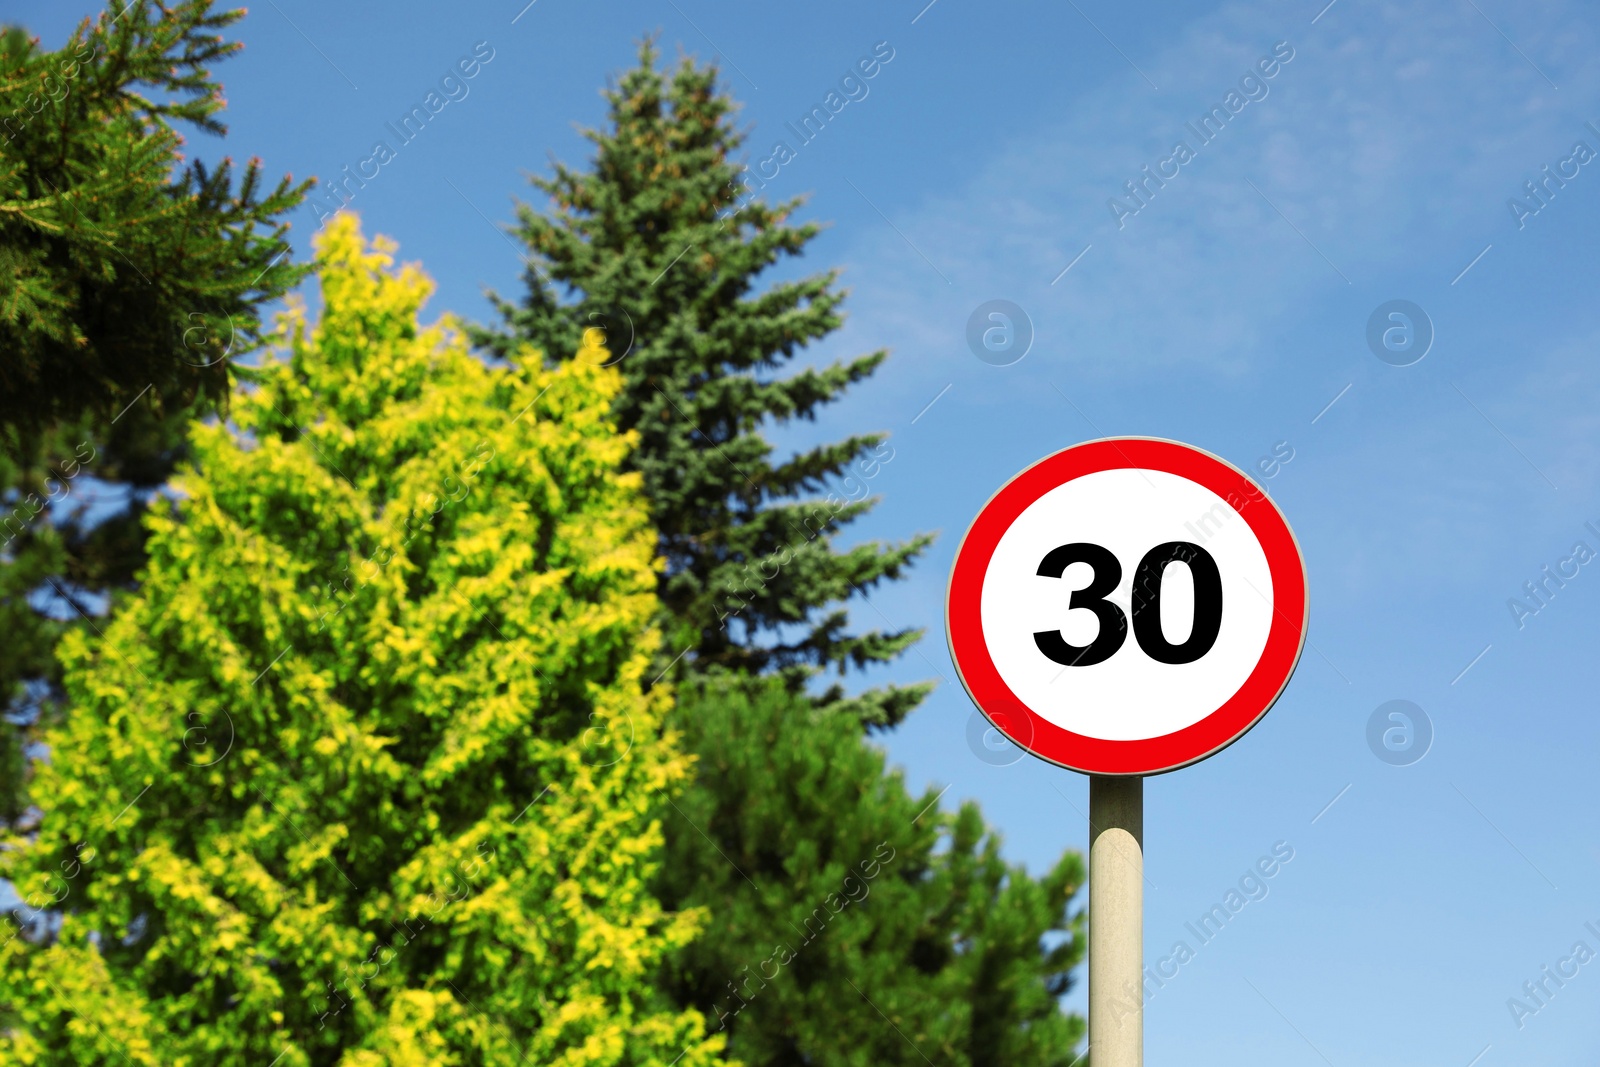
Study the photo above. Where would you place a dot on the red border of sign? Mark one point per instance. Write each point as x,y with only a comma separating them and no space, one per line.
1153,755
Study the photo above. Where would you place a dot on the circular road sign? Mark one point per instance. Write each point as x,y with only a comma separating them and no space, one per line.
1127,606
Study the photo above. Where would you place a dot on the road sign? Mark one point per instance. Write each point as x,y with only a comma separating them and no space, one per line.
1127,606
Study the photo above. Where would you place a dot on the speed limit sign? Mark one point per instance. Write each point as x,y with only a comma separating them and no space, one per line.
1127,606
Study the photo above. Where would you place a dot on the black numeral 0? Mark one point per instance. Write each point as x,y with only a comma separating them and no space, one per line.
1106,573
1147,602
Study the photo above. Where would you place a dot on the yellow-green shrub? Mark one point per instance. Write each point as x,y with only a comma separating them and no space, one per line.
363,773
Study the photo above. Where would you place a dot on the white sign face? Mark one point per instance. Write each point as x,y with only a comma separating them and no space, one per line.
1129,695
1127,606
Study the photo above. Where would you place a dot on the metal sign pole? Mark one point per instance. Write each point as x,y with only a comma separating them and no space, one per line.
1116,921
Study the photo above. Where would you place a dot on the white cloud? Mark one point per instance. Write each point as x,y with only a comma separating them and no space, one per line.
1391,142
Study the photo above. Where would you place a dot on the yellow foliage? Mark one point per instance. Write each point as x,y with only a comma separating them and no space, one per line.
364,772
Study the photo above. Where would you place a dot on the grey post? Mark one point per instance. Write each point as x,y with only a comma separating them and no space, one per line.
1116,921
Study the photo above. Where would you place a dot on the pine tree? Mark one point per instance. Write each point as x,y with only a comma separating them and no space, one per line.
123,266
363,774
655,251
657,247
129,278
840,901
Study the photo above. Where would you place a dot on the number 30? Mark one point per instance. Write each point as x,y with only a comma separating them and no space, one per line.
1107,573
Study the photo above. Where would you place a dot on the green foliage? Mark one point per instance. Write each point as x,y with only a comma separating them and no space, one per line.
363,774
836,896
653,247
129,277
121,267
70,532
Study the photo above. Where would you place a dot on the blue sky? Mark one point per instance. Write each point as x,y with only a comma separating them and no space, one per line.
1229,311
